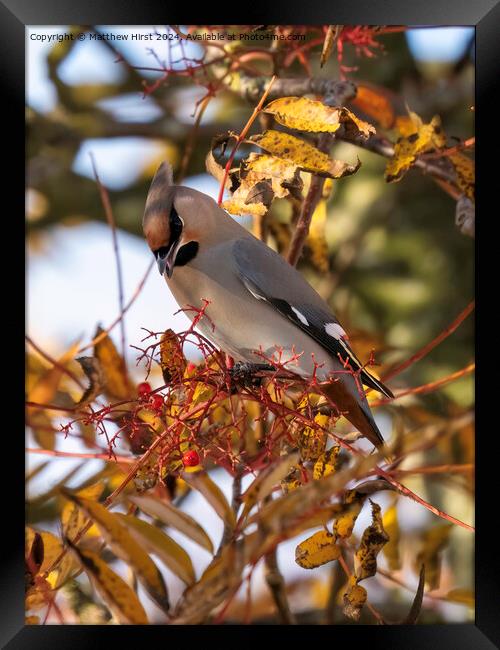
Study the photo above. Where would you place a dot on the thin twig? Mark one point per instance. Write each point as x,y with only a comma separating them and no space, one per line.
276,584
242,136
112,224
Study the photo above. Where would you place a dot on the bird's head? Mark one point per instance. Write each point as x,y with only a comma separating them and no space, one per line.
175,220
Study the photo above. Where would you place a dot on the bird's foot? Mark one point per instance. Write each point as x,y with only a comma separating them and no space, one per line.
245,373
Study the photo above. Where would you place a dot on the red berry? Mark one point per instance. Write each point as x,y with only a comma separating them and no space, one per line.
144,388
191,458
156,402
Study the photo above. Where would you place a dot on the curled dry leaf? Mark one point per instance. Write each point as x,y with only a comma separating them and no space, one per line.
172,360
317,550
117,384
172,516
331,36
92,368
309,115
305,155
125,547
372,542
118,596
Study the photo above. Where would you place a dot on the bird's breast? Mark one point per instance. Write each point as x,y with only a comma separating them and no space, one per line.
242,326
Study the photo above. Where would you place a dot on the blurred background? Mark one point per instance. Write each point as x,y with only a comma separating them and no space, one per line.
400,270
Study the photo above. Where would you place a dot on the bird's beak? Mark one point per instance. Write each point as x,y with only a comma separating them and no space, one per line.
166,263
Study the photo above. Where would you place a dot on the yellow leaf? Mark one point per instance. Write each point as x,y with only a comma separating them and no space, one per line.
115,592
117,383
391,526
202,393
375,103
157,542
172,516
317,550
282,174
424,138
125,547
372,541
344,524
312,441
354,600
172,360
303,154
202,482
267,480
433,542
310,115
325,465
465,171
73,519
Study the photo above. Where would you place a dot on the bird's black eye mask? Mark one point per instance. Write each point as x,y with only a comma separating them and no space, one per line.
168,256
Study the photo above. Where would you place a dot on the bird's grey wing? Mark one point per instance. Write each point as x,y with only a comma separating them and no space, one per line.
268,277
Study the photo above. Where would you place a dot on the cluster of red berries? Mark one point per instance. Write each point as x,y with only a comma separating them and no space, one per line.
155,401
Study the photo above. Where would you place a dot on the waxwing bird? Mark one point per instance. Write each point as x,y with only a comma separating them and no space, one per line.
259,305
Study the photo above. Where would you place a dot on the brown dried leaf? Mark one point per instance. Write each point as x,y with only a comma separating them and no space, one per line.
330,38
172,360
117,384
372,541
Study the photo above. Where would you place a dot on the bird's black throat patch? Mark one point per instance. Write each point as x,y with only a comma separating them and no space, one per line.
186,253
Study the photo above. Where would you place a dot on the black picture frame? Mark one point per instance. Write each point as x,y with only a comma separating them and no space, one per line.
15,15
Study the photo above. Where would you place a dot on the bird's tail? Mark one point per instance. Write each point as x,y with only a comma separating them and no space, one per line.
355,408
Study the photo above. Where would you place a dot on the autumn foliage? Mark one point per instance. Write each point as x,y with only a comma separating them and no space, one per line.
297,469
